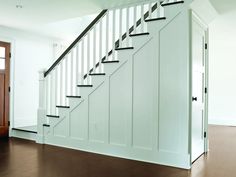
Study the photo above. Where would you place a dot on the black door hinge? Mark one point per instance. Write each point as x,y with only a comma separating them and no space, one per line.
9,123
205,90
206,46
10,55
9,89
205,134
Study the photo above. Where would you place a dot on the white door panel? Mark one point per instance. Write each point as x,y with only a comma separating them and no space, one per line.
198,87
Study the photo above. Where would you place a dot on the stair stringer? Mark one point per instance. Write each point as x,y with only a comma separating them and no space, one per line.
105,121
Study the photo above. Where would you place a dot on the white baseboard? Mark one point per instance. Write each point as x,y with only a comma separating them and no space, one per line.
226,122
23,135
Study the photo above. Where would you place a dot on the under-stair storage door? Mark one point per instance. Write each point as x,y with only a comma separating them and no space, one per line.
198,88
4,83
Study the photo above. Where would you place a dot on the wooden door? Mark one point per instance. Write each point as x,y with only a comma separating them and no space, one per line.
4,88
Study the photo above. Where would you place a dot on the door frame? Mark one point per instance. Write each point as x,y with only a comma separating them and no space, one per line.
7,84
194,16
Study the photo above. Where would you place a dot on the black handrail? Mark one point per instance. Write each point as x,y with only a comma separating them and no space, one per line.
125,35
75,42
154,7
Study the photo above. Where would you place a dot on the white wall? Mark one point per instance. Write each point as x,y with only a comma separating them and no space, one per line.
222,70
29,54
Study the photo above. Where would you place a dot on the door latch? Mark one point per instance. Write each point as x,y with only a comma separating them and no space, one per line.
194,98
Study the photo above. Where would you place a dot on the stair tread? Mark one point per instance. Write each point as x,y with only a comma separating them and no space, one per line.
124,48
138,34
70,96
97,74
84,85
58,106
114,61
172,3
46,125
155,19
53,116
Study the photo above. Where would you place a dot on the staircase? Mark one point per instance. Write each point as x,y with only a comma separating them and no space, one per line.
78,104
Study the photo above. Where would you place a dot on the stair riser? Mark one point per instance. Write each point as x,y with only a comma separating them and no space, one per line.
46,130
84,91
172,10
62,112
154,25
138,41
73,102
124,55
96,80
109,68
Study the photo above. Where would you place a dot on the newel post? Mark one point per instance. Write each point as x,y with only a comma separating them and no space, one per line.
41,114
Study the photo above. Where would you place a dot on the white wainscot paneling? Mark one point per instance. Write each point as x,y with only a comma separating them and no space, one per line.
120,105
174,86
61,128
98,114
79,122
144,96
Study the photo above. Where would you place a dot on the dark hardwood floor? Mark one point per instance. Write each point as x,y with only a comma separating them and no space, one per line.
21,158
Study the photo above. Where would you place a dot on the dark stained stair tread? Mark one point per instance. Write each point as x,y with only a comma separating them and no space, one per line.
124,48
84,85
97,74
46,125
73,96
53,116
172,3
114,61
155,19
138,34
63,106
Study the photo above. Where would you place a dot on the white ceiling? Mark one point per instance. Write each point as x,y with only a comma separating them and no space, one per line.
224,6
55,18
66,18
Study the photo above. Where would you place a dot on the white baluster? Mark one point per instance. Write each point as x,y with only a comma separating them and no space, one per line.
66,79
113,34
101,46
120,28
47,95
142,18
94,48
162,11
71,72
56,89
88,58
127,26
158,9
76,68
107,35
61,84
51,93
150,10
82,62
135,19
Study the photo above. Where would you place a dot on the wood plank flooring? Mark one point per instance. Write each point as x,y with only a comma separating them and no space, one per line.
21,158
